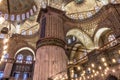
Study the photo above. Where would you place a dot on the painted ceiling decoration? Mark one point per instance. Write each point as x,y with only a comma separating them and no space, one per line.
17,10
86,8
78,9
21,10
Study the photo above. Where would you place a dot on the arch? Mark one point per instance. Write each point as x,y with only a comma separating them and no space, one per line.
98,34
25,48
82,37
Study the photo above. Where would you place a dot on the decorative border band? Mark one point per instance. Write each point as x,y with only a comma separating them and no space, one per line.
50,41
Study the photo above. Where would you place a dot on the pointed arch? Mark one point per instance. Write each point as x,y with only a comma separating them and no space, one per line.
25,48
82,37
98,34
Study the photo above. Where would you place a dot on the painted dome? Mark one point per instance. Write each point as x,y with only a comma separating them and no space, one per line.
17,9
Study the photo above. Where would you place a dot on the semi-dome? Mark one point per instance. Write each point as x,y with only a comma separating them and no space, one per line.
17,9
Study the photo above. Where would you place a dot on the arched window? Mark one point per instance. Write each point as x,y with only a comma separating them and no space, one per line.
85,52
19,58
104,2
1,74
6,56
71,39
2,36
80,17
89,14
112,1
23,32
72,16
97,8
18,28
111,39
30,32
29,59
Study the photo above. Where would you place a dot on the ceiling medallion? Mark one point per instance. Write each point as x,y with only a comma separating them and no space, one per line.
79,1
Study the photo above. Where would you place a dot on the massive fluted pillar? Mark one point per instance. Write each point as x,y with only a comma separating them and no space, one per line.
50,54
8,69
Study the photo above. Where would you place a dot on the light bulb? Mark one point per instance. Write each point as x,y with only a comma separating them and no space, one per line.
100,67
5,52
93,71
113,60
83,72
5,47
93,65
72,71
92,76
113,70
105,64
88,77
5,40
79,68
97,72
102,74
105,73
89,69
2,58
103,59
63,78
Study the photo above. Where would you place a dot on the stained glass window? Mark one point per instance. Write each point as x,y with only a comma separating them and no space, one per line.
17,74
2,36
71,39
80,17
6,56
29,59
112,38
19,58
89,14
25,76
1,75
30,32
23,32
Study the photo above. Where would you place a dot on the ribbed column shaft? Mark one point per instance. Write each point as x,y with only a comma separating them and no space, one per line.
54,27
50,56
8,69
50,60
